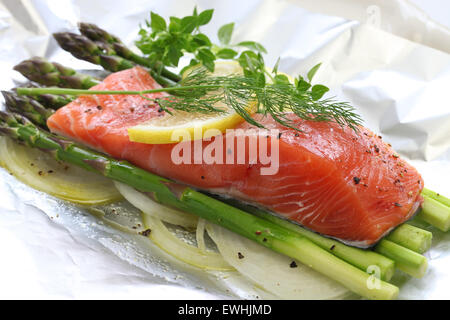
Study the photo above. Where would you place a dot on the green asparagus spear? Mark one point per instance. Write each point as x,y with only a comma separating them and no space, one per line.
362,259
406,260
435,213
30,108
435,210
173,194
54,101
47,73
411,237
54,74
85,49
384,256
436,196
94,33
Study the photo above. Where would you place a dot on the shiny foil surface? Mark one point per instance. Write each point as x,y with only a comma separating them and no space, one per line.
387,58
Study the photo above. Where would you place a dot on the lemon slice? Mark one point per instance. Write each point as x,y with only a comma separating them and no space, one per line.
182,125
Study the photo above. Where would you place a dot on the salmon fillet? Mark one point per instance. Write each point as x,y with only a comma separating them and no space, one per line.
345,185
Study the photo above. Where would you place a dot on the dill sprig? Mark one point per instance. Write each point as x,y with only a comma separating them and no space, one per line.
202,92
278,98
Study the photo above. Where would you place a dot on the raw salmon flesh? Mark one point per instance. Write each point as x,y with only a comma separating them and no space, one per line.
340,183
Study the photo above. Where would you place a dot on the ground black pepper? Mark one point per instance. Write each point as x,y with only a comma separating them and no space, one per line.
146,233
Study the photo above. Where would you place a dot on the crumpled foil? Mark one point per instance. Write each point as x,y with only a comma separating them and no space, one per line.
385,57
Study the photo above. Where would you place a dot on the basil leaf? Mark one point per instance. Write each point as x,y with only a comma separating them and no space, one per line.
313,71
275,67
174,55
226,53
225,33
201,40
249,59
303,86
246,59
318,91
175,24
253,46
207,58
260,79
281,79
205,17
157,22
188,24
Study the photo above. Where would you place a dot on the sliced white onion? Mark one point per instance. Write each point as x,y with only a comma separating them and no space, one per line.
154,209
181,250
273,271
41,171
200,235
119,215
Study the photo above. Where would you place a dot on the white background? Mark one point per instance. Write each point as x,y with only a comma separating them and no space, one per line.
439,10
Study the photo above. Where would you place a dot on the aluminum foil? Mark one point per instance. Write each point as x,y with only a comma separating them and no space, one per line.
385,57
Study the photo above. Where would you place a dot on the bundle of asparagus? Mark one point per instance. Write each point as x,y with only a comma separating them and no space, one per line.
25,121
54,74
111,54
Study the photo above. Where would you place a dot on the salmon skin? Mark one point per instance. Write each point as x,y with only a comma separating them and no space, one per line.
342,184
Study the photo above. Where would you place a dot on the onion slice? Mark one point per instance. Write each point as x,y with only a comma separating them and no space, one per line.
200,235
154,209
119,215
41,171
274,272
181,250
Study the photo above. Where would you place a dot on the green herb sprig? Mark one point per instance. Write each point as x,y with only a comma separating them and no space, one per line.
200,91
165,42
